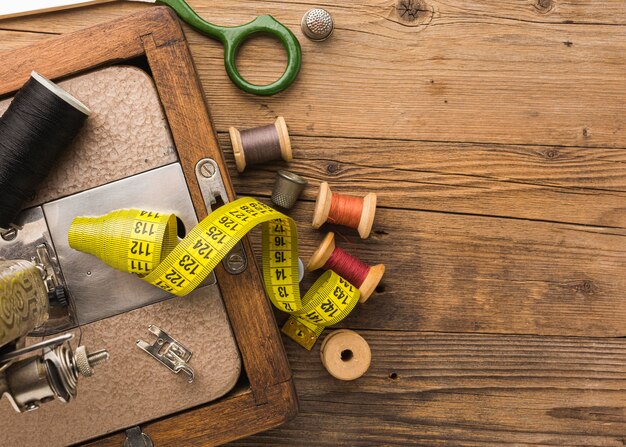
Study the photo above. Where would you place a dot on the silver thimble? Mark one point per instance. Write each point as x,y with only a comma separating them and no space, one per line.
317,24
287,189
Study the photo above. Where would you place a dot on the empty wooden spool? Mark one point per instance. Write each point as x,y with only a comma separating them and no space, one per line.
345,354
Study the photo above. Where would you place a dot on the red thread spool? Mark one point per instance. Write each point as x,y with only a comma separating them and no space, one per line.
351,268
349,211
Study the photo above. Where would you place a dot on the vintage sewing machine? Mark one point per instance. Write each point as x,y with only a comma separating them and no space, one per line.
101,350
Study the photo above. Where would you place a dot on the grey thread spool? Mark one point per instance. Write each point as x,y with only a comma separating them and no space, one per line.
287,189
261,144
317,24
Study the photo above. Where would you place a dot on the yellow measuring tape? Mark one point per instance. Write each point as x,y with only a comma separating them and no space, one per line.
145,243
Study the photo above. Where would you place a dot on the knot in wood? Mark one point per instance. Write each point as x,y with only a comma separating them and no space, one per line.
585,287
411,10
544,6
332,168
552,154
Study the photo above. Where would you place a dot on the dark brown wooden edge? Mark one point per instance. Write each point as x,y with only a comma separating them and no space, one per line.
157,35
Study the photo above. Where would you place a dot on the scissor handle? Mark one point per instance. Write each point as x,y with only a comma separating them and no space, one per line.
237,35
233,36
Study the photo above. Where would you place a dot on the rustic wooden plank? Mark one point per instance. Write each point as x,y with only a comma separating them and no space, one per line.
461,273
231,418
575,185
10,40
254,328
486,81
53,57
462,73
407,12
507,74
463,390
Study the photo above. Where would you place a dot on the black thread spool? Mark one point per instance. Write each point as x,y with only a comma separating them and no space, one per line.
261,144
40,123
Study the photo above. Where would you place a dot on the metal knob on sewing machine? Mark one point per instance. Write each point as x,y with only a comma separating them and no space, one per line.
38,379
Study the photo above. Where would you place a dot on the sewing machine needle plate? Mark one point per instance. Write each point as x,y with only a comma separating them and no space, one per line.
98,290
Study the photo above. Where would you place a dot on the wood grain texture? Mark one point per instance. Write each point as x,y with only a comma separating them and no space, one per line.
235,417
462,390
494,133
119,40
461,72
460,273
571,185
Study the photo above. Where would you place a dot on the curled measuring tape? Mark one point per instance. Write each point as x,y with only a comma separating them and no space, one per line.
145,243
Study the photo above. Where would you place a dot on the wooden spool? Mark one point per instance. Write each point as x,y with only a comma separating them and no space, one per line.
283,138
322,208
345,355
323,253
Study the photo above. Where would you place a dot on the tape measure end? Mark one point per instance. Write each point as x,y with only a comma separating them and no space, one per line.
300,333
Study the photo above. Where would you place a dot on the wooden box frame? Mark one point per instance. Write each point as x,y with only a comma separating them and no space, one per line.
268,399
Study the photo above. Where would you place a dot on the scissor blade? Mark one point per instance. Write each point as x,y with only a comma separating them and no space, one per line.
10,8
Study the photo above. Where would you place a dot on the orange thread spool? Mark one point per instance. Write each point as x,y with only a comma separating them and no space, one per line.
361,275
350,211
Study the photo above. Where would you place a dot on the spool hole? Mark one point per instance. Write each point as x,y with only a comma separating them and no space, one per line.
347,355
393,376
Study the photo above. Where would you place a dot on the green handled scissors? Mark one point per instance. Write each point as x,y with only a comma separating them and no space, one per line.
233,36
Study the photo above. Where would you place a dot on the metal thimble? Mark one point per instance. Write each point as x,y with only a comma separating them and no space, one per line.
287,189
317,24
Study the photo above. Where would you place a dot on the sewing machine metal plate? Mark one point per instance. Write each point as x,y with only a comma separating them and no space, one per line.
99,291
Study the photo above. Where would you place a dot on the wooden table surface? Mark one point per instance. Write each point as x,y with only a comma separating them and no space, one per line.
495,136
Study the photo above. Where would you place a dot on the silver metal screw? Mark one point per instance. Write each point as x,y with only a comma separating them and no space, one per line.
207,170
85,362
98,357
8,234
235,263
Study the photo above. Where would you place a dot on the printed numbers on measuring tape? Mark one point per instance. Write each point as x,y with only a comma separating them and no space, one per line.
145,243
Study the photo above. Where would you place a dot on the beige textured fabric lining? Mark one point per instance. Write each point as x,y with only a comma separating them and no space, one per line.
127,134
